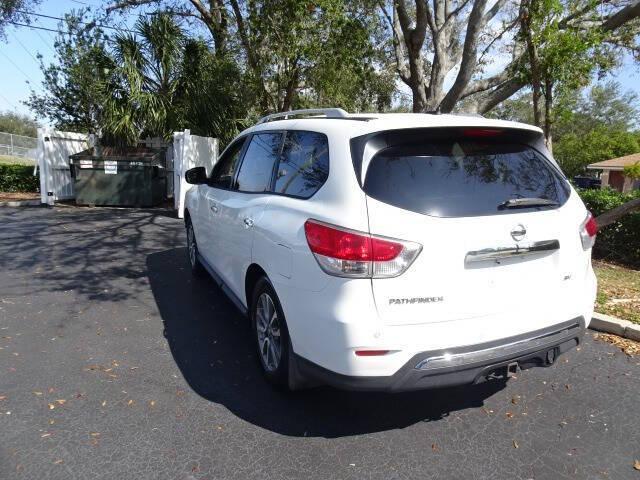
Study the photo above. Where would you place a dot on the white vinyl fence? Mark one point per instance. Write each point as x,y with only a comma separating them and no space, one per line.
190,151
53,152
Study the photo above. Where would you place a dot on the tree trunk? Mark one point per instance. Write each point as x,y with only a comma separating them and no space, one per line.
532,51
548,112
419,98
613,215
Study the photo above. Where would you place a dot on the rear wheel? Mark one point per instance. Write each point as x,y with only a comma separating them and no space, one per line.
270,333
192,250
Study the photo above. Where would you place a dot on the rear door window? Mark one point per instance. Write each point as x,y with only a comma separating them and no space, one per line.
462,177
304,164
256,170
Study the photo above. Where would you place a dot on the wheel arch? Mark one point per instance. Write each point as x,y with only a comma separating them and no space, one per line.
254,273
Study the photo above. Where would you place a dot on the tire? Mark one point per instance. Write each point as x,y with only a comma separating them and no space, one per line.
192,251
270,334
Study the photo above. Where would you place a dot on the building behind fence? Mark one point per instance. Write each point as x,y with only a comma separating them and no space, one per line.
18,145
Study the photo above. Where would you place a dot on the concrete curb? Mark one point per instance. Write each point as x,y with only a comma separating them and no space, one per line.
21,203
608,324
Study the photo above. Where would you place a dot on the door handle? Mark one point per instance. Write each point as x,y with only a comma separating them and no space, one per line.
248,222
509,252
214,208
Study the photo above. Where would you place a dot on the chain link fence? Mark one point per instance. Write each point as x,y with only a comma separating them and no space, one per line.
18,145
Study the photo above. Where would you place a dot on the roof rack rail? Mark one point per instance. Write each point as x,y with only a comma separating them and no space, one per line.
327,112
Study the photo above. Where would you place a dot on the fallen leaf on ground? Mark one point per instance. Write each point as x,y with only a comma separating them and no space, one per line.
515,399
515,444
627,346
509,415
37,393
57,462
434,447
152,403
51,406
636,464
61,401
45,435
104,402
94,434
130,402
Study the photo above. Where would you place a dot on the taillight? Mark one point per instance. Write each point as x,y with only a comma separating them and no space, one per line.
588,231
348,253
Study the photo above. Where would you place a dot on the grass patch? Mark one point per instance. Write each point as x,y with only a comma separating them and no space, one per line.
618,291
9,160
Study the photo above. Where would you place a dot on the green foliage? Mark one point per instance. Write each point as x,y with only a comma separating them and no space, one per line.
620,241
589,126
18,178
18,124
302,54
603,105
143,85
632,171
574,151
212,94
15,11
74,93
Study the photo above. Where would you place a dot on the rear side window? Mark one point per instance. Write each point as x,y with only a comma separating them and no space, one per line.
257,167
304,164
462,177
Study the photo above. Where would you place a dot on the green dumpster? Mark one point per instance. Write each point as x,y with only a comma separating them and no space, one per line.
126,177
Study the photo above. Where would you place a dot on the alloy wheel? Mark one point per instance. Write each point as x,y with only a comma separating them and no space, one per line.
268,329
191,245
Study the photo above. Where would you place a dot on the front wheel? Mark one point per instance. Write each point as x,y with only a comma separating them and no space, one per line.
271,334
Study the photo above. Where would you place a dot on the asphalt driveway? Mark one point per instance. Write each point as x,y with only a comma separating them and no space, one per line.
116,364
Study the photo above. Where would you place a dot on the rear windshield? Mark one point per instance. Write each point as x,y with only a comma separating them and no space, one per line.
463,177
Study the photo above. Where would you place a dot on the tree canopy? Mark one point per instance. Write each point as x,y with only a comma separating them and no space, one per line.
252,57
11,122
15,11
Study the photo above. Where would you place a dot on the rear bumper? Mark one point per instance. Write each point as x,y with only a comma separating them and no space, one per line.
462,365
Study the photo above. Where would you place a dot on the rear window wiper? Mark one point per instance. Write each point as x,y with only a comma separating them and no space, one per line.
528,202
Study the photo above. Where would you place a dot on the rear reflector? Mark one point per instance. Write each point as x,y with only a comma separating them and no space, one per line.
588,231
371,353
348,253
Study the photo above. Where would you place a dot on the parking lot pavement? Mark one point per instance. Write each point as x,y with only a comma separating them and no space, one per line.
116,364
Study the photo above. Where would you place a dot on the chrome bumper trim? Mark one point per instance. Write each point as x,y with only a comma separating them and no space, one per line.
488,354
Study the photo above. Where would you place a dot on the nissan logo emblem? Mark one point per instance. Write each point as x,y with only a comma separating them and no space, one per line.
518,232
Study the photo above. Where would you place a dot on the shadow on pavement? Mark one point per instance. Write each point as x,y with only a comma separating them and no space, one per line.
211,344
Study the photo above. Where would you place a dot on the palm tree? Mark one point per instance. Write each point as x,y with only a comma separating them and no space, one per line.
145,82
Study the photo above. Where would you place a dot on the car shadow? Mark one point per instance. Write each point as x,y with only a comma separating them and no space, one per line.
212,346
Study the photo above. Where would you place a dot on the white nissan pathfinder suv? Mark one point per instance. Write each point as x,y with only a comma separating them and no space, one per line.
395,251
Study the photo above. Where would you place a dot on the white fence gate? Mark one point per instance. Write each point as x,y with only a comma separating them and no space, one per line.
53,152
190,151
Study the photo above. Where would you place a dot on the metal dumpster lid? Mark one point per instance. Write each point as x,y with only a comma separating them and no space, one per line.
121,154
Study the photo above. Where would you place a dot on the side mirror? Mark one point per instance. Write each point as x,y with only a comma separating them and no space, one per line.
196,176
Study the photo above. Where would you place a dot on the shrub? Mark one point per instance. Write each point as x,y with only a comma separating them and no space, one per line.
18,178
620,241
